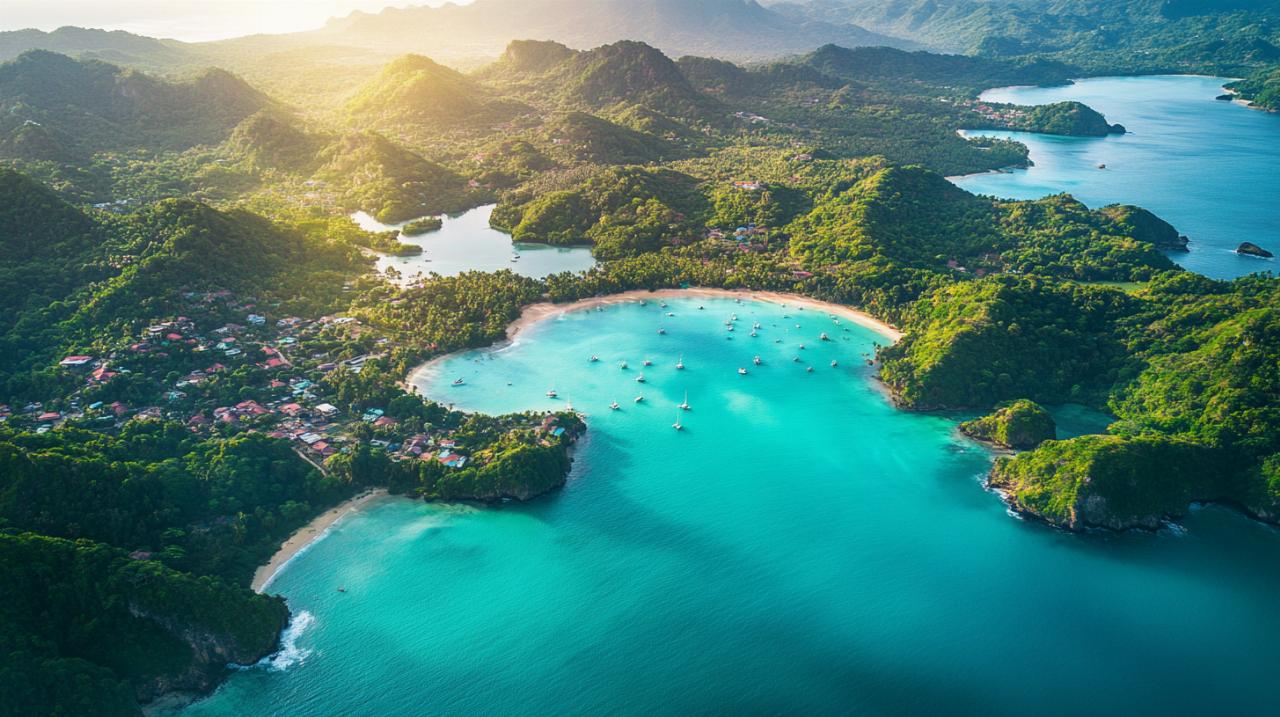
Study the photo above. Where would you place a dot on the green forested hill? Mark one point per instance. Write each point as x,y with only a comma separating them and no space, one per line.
415,91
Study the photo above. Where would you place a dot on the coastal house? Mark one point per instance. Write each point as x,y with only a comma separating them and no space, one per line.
328,410
75,361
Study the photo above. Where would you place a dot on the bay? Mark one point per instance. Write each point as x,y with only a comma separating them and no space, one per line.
801,547
1206,166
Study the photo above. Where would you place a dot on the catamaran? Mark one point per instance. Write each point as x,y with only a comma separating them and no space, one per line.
677,425
680,364
685,406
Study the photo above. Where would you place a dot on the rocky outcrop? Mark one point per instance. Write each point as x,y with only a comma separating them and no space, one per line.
1251,249
1143,225
1021,425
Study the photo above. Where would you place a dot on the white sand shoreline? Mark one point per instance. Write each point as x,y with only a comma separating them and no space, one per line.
308,534
535,313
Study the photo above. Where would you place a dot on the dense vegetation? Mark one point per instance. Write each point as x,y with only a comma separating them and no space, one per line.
1021,424
1261,89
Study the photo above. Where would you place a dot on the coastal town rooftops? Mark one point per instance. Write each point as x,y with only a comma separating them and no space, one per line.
75,361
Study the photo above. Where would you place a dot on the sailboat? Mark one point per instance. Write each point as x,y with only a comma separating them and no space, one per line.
594,359
623,365
551,393
640,378
685,406
677,425
569,406
756,361
680,363
614,406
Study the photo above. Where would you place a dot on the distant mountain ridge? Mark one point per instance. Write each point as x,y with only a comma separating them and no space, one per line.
726,28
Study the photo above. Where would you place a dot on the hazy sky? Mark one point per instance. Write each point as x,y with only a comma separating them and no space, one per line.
191,20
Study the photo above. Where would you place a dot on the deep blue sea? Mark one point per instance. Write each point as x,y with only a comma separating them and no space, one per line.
1209,167
800,548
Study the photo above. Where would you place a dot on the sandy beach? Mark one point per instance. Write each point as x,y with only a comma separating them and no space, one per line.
308,534
534,313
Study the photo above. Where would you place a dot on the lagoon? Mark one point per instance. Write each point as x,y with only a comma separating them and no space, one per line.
466,242
802,547
1207,166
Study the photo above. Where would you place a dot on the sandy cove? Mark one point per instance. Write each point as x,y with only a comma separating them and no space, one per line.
308,534
535,313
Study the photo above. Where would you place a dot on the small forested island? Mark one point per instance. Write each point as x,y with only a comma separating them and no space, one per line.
1021,424
197,356
418,227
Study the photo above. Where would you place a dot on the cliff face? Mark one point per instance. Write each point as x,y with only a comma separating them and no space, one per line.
211,651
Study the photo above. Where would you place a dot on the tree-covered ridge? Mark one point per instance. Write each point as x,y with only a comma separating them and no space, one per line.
87,629
1261,88
415,91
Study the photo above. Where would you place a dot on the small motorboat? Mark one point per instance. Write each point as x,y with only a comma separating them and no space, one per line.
1102,166
623,365
809,370
662,332
796,359
647,362
756,325
342,589
742,372
802,347
824,337
551,393
639,399
754,334
756,361
671,313
594,359
834,363
663,305
640,378
614,406
458,382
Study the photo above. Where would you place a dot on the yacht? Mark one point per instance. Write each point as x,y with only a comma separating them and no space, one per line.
809,370
756,361
677,425
742,372
680,364
685,406
647,362
834,363
640,378
551,393
754,334
824,337
459,382
614,406
594,359
662,332
639,399
623,365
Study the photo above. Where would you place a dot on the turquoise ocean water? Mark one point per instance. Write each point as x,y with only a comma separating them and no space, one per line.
1206,166
802,547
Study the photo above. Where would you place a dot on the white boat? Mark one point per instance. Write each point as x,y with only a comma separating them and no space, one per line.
640,378
643,302
639,399
742,372
833,363
680,364
647,362
670,313
594,359
733,318
569,405
614,406
662,332
753,334
809,370
551,393
677,425
623,365
756,361
685,406
795,359
663,305
459,382
802,347
756,325
730,327
824,337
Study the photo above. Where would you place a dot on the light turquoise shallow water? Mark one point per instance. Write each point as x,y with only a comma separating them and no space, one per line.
1207,166
466,242
801,548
